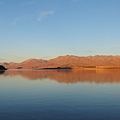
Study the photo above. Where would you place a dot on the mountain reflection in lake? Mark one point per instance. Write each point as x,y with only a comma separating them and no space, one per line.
60,94
70,76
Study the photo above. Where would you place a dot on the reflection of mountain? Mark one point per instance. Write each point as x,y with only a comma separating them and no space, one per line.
1,72
71,76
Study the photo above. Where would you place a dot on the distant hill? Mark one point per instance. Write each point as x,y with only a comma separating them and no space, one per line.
68,61
27,64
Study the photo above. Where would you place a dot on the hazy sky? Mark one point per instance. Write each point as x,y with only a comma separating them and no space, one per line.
45,29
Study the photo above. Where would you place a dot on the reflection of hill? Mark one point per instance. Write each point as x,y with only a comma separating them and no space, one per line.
70,76
1,72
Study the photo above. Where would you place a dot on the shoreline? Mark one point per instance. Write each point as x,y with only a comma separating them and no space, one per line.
66,69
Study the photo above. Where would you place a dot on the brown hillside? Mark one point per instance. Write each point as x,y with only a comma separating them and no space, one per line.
27,64
67,61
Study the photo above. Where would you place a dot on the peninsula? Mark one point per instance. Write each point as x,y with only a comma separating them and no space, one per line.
2,68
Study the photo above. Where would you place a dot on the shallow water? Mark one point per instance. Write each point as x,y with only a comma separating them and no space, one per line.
60,94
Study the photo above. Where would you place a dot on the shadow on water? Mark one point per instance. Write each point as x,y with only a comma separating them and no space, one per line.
2,72
68,76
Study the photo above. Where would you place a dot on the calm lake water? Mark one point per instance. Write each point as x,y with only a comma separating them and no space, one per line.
60,95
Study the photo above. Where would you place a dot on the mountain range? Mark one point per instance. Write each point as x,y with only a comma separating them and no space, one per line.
98,61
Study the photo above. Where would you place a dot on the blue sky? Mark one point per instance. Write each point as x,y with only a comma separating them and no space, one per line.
45,29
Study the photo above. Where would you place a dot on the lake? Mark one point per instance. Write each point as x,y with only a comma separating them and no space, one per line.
60,95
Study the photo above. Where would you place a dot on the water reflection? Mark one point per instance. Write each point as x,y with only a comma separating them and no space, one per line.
30,95
1,72
72,76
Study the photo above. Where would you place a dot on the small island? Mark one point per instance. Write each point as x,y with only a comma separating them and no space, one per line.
2,68
57,68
